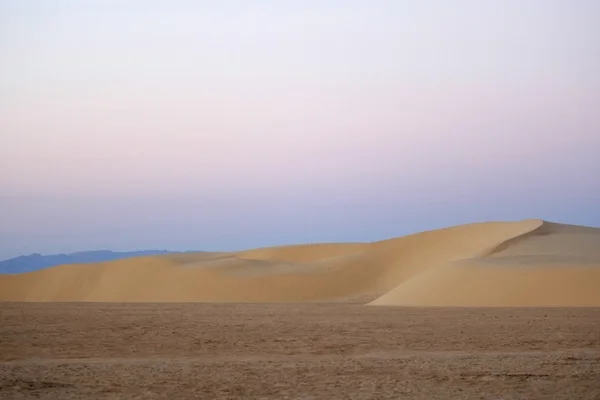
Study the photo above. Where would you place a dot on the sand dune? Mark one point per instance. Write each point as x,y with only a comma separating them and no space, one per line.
551,265
525,263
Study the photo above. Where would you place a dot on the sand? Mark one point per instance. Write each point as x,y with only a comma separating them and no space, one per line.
291,322
524,263
296,351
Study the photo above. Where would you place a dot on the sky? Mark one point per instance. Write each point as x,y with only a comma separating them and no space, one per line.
225,125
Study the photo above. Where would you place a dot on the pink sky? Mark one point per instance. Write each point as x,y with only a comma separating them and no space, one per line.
349,103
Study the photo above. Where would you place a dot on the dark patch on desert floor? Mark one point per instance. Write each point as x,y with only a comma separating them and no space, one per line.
296,351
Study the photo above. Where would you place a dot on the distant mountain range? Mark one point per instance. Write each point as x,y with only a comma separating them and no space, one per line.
36,261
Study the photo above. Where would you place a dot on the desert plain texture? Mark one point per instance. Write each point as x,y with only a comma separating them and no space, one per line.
497,310
296,351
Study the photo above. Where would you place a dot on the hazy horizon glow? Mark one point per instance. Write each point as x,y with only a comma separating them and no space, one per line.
224,125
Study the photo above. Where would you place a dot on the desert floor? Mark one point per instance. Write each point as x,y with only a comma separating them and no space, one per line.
296,351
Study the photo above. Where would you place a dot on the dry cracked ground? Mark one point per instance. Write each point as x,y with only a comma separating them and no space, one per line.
296,351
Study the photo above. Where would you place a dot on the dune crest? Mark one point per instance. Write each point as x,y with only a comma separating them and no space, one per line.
525,263
551,265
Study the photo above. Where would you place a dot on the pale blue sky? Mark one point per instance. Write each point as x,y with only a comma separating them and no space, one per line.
231,124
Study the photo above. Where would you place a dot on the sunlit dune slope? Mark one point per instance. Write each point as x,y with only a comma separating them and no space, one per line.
552,265
529,262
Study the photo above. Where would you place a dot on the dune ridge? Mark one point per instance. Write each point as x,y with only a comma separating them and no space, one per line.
525,263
